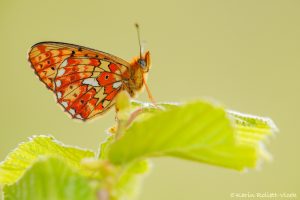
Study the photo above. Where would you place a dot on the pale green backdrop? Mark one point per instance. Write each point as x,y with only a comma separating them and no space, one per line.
245,54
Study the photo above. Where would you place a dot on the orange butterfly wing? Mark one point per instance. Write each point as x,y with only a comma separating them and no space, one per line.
84,80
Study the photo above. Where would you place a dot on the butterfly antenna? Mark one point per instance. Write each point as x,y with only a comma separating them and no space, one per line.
139,38
141,49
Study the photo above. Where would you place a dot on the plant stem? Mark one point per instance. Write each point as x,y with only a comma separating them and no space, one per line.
103,195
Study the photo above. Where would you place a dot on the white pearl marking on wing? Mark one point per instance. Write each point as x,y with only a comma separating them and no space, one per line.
59,95
72,111
58,83
117,84
91,81
78,116
65,63
61,72
65,104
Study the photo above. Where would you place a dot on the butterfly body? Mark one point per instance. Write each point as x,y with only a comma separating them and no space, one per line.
86,81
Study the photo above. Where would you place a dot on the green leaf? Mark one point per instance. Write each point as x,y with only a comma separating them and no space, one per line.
197,131
50,179
129,180
16,163
253,130
104,145
126,179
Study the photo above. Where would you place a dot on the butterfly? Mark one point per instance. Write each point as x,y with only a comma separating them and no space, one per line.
86,81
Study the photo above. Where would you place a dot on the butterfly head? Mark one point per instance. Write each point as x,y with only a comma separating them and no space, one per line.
144,62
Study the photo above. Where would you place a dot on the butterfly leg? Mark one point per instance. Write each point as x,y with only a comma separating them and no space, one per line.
134,115
150,95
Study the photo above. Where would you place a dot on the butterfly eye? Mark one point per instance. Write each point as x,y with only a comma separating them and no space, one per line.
142,63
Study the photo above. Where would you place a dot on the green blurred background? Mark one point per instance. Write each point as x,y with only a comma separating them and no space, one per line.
244,54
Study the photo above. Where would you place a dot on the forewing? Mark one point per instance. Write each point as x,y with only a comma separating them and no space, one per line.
46,57
84,80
